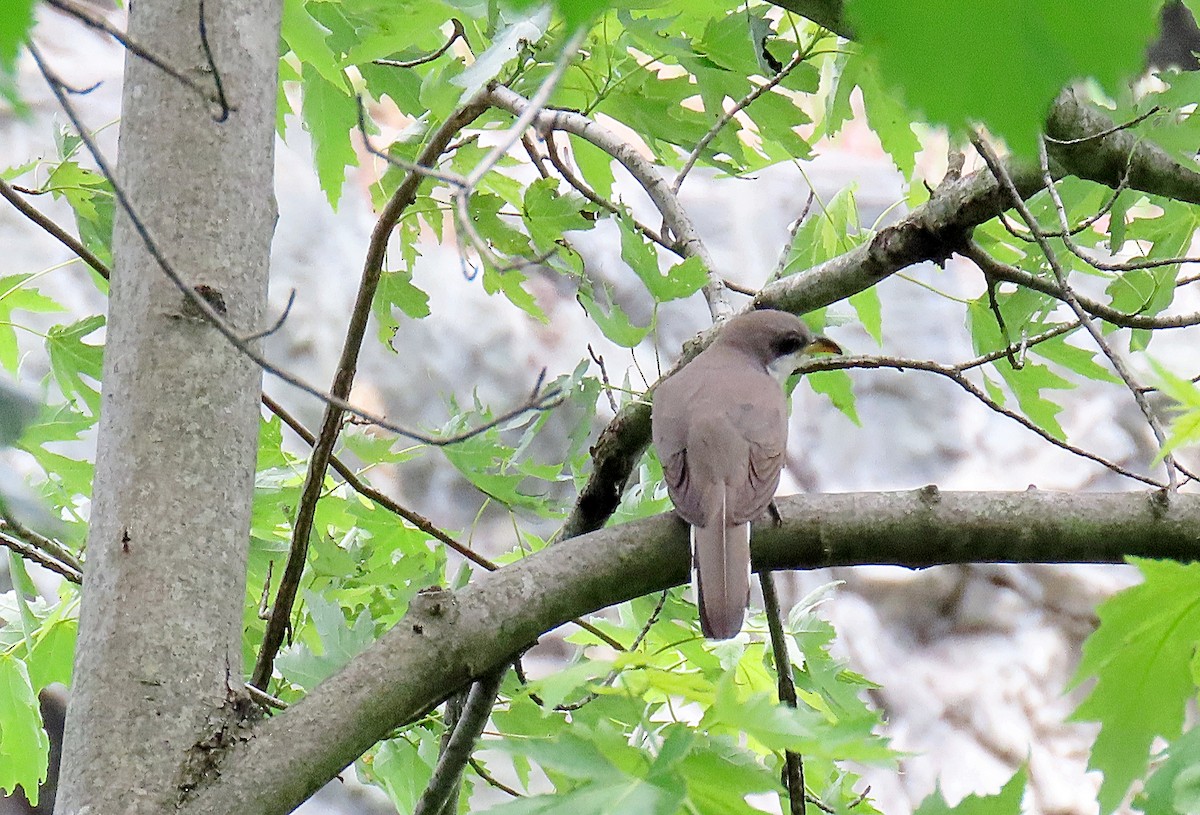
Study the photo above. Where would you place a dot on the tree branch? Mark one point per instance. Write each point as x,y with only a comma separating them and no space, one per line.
439,647
475,712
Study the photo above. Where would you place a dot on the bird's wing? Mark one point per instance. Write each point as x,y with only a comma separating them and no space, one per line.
763,424
673,399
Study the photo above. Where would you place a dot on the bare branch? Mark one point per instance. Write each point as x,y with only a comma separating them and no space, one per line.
994,269
458,33
467,730
33,553
587,192
956,375
44,544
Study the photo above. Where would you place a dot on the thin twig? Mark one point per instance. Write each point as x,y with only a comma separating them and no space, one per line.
92,20
51,547
459,32
1122,185
995,269
1108,131
534,157
278,324
32,553
793,761
643,171
590,194
959,378
205,46
265,699
727,115
458,750
786,252
491,779
48,226
1085,319
213,317
608,389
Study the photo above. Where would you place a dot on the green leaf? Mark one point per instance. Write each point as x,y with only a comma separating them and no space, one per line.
681,280
1005,802
15,295
1000,63
72,359
550,214
91,198
839,388
307,38
24,746
1074,358
396,291
887,116
509,283
828,232
1140,656
308,663
329,113
15,23
594,164
402,772
527,29
870,312
613,323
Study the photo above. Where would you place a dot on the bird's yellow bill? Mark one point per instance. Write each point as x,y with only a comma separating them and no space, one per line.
823,345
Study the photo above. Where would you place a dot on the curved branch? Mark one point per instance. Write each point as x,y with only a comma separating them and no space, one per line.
644,172
993,268
436,649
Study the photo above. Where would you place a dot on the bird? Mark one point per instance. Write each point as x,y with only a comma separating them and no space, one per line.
720,426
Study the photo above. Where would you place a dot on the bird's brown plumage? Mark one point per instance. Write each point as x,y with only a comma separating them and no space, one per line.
720,428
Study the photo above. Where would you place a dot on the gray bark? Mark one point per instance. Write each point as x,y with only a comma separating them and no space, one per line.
442,643
158,668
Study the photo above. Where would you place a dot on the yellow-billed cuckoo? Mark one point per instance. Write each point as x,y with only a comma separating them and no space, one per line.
720,426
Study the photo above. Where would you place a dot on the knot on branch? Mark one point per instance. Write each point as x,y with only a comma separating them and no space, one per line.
433,603
911,242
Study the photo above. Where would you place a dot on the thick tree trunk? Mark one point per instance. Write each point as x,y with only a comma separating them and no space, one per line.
159,660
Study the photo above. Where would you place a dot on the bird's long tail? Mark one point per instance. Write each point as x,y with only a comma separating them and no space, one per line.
721,572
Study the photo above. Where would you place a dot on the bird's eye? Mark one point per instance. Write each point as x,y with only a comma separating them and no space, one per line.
784,346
